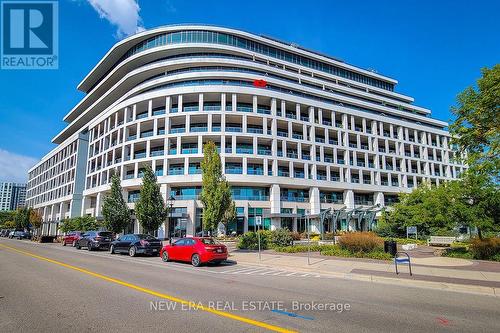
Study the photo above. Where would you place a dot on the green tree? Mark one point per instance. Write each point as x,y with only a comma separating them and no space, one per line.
215,192
230,214
114,209
7,216
22,218
476,202
35,219
472,201
9,224
150,209
80,223
476,128
427,207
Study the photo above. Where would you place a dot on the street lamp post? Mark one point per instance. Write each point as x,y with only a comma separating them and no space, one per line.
170,203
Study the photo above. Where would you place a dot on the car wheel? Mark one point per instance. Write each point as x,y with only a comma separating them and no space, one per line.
78,247
112,249
132,251
165,257
74,243
89,246
195,260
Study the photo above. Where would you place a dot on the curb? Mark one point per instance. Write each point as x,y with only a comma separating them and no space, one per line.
462,288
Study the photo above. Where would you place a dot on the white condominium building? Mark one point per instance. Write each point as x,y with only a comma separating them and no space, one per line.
299,133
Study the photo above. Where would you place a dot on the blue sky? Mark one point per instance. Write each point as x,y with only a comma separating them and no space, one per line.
433,48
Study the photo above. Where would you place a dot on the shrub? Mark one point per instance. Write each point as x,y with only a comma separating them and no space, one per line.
302,248
295,235
361,242
485,249
281,237
457,252
249,241
329,236
337,251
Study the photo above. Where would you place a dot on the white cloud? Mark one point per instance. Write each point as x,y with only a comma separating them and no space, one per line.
14,167
124,14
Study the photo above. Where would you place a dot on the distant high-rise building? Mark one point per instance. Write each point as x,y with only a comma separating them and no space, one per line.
12,195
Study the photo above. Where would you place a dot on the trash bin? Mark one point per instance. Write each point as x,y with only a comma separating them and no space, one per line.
390,246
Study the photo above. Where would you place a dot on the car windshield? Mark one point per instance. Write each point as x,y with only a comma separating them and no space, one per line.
208,241
105,234
147,237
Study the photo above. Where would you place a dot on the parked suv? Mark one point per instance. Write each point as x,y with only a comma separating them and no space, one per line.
134,244
94,240
71,238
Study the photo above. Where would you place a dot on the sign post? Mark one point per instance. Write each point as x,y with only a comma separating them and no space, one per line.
410,231
258,222
308,227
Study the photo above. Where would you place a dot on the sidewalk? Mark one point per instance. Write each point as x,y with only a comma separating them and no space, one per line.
429,272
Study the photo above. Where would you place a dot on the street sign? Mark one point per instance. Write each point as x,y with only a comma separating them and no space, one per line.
258,220
411,231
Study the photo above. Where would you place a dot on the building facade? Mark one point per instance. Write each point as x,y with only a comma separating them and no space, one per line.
298,132
12,195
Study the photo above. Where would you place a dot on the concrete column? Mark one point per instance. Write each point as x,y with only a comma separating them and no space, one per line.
275,199
379,199
168,104
349,199
98,205
233,102
314,201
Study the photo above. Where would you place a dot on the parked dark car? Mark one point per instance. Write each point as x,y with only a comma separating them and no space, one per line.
135,244
94,240
19,234
5,232
71,238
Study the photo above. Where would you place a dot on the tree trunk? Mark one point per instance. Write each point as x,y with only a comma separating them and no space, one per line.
479,233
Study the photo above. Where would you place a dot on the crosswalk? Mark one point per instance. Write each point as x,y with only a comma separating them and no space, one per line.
262,271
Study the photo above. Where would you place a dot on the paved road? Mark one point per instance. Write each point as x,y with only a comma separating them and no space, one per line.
47,287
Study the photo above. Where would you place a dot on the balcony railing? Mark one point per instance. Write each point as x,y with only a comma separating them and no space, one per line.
258,172
199,129
189,151
264,152
233,129
147,134
244,150
255,130
178,130
234,171
177,171
157,153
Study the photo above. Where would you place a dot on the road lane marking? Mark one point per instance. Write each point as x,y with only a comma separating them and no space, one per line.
292,314
191,304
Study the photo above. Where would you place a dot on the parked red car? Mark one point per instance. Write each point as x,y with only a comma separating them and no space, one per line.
71,238
197,250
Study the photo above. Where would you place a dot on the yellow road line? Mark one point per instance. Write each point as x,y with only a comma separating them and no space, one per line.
192,305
